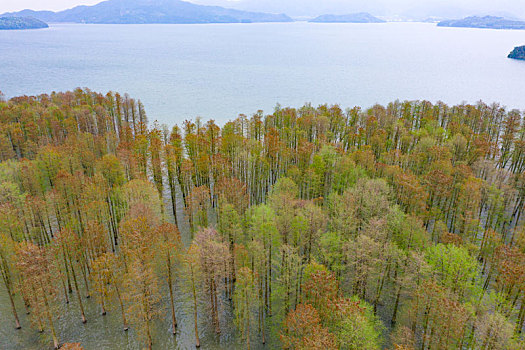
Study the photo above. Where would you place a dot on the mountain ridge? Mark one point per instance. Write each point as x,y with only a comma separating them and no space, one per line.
149,12
359,17
486,22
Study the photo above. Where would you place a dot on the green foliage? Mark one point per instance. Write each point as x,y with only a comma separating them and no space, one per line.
261,224
110,167
332,251
285,187
360,329
454,268
407,231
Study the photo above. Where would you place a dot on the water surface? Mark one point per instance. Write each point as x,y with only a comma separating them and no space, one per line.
220,70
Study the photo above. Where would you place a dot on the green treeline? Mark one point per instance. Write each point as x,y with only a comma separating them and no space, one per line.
393,227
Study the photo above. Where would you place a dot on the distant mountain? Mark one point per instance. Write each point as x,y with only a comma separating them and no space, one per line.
21,23
431,20
518,53
44,16
490,22
151,11
361,17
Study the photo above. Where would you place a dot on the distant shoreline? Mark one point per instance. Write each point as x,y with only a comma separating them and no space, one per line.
487,22
21,23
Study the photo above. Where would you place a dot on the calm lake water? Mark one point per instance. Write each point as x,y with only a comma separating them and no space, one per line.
220,70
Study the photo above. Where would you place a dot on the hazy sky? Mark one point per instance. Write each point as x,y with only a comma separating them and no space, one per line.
16,5
420,8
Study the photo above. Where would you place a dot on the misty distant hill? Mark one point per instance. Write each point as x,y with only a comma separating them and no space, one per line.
490,22
151,11
361,17
21,23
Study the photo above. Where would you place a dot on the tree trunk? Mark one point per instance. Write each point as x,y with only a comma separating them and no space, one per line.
103,307
50,320
173,318
7,281
15,314
197,341
396,305
78,292
124,321
521,317
247,318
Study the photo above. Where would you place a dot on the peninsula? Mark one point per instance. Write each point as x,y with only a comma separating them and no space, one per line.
9,23
487,22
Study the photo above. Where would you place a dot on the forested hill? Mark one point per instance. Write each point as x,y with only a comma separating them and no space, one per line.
518,53
151,11
397,226
489,22
7,23
361,17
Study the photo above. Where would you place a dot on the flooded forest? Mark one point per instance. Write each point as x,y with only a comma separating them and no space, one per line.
393,227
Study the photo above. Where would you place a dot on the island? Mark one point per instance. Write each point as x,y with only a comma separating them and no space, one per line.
487,22
152,11
518,53
10,23
361,17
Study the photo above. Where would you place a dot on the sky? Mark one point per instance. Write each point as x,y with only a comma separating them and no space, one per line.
17,5
387,8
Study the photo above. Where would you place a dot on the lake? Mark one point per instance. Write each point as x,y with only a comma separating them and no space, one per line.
220,70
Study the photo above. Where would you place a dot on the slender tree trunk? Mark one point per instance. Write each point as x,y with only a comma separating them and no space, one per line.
171,183
396,305
124,321
425,327
49,319
24,296
70,289
7,281
84,276
15,314
247,318
102,305
261,312
216,308
521,318
269,296
197,340
170,286
78,292
65,290
148,334
380,287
